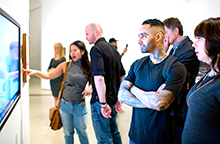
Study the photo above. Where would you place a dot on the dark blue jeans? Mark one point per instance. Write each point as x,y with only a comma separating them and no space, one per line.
106,129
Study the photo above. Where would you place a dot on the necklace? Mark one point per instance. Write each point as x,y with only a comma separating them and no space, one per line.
199,87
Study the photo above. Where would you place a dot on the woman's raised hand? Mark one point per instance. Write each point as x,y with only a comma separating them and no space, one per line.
29,72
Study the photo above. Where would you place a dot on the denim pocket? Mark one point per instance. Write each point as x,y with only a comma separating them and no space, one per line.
83,103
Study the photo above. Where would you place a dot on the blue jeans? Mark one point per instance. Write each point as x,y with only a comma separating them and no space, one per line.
106,129
131,142
74,116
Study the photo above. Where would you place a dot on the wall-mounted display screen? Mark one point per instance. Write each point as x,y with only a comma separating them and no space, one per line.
9,65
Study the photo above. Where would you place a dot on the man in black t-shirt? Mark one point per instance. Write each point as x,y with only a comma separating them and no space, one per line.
148,91
107,71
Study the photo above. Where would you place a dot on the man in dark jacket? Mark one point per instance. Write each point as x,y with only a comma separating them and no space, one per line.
183,50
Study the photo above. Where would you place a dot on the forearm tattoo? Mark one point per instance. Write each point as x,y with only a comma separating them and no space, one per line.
154,100
125,96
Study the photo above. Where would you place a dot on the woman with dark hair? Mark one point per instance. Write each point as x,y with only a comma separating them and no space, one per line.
73,110
202,125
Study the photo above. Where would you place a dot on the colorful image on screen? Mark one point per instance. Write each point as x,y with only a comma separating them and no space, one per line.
9,64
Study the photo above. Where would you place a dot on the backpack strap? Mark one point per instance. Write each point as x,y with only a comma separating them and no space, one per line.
180,100
166,70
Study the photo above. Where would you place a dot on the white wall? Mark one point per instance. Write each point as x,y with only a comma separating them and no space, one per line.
35,34
12,128
64,21
16,128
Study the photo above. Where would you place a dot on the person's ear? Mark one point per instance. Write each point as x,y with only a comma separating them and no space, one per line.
176,31
96,32
159,36
83,52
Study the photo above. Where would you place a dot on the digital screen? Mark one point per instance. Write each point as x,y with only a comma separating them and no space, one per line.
9,63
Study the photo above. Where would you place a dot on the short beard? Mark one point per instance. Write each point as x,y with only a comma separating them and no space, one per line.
149,47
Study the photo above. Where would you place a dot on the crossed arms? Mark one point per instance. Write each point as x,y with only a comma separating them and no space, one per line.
135,97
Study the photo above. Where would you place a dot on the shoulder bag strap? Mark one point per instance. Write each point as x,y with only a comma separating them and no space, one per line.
64,79
197,88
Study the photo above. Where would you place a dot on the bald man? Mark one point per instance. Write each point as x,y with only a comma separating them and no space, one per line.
107,71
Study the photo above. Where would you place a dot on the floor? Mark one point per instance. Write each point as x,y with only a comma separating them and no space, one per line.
40,132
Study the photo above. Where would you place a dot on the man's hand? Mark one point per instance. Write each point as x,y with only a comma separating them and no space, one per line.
125,50
161,88
106,111
118,106
166,44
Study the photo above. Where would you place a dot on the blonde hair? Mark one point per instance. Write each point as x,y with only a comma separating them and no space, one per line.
60,49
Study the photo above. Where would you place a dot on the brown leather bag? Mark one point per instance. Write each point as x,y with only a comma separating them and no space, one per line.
54,116
55,121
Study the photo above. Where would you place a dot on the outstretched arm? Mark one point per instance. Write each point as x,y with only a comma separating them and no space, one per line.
159,100
59,70
125,96
124,51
